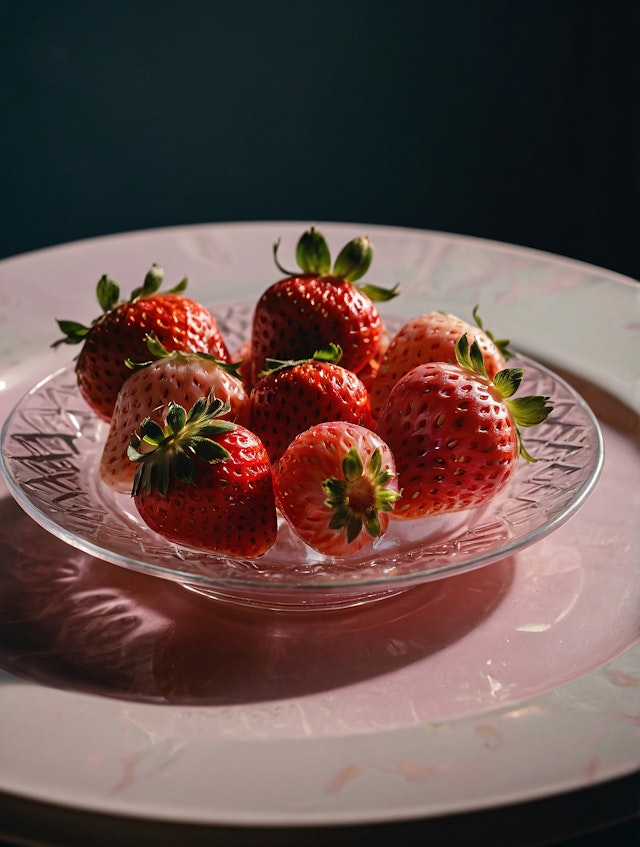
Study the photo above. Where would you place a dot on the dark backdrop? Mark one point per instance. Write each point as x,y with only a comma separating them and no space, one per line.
504,119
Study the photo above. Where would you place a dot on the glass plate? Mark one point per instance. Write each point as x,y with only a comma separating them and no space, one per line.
51,448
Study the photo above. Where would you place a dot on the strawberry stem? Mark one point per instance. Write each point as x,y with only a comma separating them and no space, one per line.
312,253
107,292
354,259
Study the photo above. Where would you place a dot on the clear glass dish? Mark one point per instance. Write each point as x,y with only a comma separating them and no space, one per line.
51,448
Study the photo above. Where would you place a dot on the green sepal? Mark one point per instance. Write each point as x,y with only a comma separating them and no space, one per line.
107,292
216,428
331,354
386,497
354,259
530,411
470,356
179,287
184,468
151,432
74,332
152,282
312,253
378,293
352,466
508,381
209,450
351,524
176,418
334,487
353,528
372,523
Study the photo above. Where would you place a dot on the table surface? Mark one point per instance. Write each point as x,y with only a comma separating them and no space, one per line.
607,815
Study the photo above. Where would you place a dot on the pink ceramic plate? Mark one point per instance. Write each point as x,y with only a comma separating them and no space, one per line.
125,694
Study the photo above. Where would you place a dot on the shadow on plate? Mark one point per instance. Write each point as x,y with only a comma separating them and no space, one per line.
70,621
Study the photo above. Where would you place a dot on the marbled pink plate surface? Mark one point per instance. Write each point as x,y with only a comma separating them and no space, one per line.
128,694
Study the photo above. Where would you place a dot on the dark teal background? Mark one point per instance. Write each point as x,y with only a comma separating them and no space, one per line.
510,120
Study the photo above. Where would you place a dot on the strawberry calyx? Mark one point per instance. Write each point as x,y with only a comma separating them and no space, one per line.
526,411
175,447
331,355
358,497
159,351
108,296
314,259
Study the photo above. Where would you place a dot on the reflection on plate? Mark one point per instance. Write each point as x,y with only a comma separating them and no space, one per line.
52,443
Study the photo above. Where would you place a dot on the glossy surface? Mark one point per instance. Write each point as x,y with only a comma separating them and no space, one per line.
128,695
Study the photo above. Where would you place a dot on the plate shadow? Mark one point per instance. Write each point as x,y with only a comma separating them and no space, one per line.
74,622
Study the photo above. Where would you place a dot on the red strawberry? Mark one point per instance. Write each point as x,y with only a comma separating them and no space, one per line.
206,483
294,395
335,485
432,337
306,312
177,377
119,334
454,432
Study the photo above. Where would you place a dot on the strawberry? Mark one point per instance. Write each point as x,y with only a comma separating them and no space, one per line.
178,377
292,395
119,334
432,337
335,485
206,482
454,432
307,311
242,355
370,371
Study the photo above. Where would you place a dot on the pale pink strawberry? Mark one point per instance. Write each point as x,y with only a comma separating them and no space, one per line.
178,377
432,337
335,485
